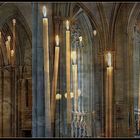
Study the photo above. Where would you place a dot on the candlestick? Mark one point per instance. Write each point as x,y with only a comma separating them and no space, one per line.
46,72
68,73
54,82
75,87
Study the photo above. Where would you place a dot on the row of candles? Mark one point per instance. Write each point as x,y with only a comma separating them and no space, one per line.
10,51
71,55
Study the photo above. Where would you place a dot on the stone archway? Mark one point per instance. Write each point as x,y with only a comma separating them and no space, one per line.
11,77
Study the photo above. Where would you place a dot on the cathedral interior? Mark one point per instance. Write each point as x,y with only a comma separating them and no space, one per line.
70,69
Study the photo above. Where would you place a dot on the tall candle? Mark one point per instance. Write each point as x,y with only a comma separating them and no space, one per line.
54,82
75,87
82,79
14,41
110,78
108,101
68,72
8,48
46,72
12,57
14,36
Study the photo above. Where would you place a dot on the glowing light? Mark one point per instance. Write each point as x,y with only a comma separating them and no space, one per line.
80,38
71,94
65,95
12,52
9,38
79,92
44,10
58,96
14,21
67,25
73,56
109,59
94,32
57,40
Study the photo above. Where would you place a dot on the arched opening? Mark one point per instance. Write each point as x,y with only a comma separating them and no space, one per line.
15,78
88,101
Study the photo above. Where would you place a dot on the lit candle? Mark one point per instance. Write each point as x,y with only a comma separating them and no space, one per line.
14,41
46,71
75,81
14,36
109,59
8,48
12,57
68,73
54,82
94,32
73,57
80,39
75,86
109,90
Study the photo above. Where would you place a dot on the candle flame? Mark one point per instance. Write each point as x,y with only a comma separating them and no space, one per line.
65,95
73,56
14,21
9,38
109,59
58,96
12,52
44,11
57,40
71,95
94,32
80,38
6,43
67,25
79,92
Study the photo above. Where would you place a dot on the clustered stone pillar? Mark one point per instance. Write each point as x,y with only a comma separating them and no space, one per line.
38,123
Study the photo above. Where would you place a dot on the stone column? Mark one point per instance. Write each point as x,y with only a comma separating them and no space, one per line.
7,105
38,124
34,70
40,78
41,125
